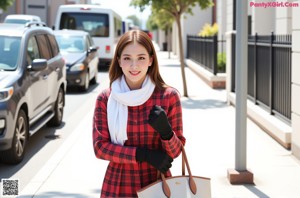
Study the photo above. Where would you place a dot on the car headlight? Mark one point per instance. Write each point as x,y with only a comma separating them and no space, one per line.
2,123
77,67
6,93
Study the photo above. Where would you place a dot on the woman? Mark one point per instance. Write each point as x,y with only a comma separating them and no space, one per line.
137,123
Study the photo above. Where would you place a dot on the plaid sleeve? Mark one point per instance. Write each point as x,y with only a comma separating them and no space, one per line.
103,147
173,146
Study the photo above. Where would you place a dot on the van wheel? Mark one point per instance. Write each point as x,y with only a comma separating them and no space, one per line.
16,153
58,109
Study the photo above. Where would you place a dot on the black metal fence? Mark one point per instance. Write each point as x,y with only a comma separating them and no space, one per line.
269,73
203,50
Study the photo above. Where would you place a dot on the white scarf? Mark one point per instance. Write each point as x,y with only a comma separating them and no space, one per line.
117,106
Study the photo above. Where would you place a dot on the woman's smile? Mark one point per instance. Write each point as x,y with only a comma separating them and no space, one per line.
134,73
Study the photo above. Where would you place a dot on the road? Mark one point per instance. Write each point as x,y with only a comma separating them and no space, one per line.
43,144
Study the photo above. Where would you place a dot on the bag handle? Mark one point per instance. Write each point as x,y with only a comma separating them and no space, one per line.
192,183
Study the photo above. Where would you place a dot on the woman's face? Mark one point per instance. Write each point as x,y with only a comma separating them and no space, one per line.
134,62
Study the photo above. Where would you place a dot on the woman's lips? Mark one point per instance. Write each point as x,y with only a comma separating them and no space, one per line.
134,73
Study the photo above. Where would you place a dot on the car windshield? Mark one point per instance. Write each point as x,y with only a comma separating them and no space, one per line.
9,52
70,43
18,21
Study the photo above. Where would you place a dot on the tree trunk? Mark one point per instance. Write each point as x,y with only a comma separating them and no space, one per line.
168,43
181,56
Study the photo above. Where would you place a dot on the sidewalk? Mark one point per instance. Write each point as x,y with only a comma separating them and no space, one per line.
209,127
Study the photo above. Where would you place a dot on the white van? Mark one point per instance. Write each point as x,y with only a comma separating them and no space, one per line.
21,18
103,24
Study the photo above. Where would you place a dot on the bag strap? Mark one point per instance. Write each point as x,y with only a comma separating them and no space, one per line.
185,163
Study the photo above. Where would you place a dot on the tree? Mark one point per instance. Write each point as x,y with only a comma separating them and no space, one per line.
4,4
160,19
175,8
135,20
152,23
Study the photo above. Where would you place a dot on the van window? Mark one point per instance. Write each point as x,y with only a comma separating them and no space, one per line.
118,27
95,24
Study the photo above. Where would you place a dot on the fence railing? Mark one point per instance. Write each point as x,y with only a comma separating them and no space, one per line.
269,73
203,50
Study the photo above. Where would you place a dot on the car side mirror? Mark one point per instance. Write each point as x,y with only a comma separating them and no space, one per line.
38,65
92,49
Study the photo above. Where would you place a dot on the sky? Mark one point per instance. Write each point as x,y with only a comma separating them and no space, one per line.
122,8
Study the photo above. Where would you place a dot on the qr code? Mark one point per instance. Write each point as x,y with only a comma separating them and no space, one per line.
10,187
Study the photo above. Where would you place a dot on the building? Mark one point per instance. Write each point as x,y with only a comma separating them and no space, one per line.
45,9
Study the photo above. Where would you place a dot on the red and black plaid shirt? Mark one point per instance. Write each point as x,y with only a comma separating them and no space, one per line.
124,175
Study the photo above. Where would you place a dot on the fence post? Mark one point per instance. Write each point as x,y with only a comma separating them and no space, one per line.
233,62
188,46
215,57
271,74
255,69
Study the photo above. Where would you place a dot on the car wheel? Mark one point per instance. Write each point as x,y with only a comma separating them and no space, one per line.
16,153
58,109
86,85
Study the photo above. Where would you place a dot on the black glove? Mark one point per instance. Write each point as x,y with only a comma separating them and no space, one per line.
159,121
158,159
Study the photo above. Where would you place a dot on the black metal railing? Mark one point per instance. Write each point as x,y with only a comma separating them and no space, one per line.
203,50
269,73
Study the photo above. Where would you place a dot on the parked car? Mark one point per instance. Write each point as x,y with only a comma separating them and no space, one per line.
80,54
149,34
32,86
21,18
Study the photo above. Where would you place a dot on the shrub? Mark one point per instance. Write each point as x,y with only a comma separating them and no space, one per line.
209,30
221,62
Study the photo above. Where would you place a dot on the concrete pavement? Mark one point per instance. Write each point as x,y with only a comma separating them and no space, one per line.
209,127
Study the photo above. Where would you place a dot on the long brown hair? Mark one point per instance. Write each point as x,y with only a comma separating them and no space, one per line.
143,39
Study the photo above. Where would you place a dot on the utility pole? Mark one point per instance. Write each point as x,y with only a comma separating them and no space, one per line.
240,175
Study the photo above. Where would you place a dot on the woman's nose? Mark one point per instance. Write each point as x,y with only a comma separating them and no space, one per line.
133,63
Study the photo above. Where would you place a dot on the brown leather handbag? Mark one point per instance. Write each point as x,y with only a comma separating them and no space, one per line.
185,186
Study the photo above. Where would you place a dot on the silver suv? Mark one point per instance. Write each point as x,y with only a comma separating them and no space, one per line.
32,86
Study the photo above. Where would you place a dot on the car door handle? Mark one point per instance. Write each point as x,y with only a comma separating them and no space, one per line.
45,76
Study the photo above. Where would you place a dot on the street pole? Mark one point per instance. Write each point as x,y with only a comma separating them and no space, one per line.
241,175
241,86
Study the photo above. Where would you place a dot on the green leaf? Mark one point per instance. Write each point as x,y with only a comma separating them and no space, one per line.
4,4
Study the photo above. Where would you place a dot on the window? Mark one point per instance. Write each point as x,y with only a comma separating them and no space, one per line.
95,24
44,47
71,44
118,27
90,41
32,50
53,43
9,47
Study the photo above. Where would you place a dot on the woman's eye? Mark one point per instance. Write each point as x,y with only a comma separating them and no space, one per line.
141,58
126,58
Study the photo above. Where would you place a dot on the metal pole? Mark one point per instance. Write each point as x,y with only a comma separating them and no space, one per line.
241,85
